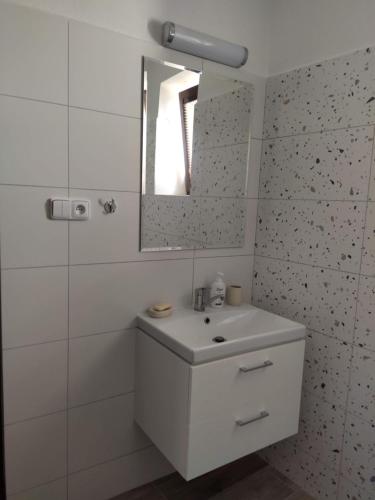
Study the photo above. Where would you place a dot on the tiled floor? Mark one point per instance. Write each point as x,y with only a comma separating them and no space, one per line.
246,479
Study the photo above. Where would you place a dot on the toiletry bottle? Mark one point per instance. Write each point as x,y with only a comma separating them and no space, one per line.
218,291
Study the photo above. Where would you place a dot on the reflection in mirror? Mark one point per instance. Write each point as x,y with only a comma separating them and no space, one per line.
194,158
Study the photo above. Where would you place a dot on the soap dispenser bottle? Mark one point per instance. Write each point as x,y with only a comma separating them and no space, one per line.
217,292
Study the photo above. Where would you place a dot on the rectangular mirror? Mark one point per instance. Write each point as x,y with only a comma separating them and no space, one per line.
195,154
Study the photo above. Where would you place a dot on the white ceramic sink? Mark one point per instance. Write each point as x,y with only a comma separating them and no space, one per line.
246,328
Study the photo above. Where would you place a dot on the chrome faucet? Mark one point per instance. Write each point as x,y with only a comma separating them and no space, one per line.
201,299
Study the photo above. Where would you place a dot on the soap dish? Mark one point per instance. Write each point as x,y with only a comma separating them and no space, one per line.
154,313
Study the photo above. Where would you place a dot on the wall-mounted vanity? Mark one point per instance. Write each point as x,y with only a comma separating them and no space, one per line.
205,402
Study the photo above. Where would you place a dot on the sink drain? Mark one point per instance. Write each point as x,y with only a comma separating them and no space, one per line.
219,339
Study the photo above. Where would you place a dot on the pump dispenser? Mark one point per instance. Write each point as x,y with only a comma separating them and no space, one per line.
217,292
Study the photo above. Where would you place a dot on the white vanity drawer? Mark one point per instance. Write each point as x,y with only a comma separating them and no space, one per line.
247,383
213,443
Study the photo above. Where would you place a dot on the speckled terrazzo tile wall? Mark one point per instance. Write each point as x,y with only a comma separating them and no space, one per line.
219,167
315,263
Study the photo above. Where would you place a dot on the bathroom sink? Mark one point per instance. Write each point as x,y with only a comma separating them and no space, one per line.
199,337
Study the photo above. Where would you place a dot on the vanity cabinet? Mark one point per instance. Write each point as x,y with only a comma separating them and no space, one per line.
204,416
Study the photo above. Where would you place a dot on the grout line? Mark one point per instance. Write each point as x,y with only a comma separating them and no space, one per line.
79,471
94,110
198,196
3,475
167,259
39,485
101,400
190,250
68,276
220,256
356,485
317,200
123,331
321,131
325,400
333,337
119,457
128,191
256,221
312,457
67,105
221,146
106,190
111,113
30,419
313,266
25,346
56,266
192,299
67,409
34,186
355,415
67,186
172,259
252,288
128,330
355,318
33,99
71,339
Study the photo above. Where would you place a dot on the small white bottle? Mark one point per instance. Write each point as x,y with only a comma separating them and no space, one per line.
217,290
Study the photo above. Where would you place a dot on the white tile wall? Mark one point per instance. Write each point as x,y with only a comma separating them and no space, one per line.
33,143
104,151
35,380
111,237
88,276
107,297
103,431
101,366
102,64
56,490
41,295
235,269
111,478
33,54
106,237
28,237
35,451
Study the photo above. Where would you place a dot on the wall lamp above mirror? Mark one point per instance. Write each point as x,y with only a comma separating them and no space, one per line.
195,152
202,45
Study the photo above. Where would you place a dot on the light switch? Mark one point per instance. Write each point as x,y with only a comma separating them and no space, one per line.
60,208
57,208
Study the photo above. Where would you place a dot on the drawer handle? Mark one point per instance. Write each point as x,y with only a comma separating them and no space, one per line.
245,369
244,421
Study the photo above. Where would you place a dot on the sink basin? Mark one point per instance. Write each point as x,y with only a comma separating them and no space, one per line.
199,337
